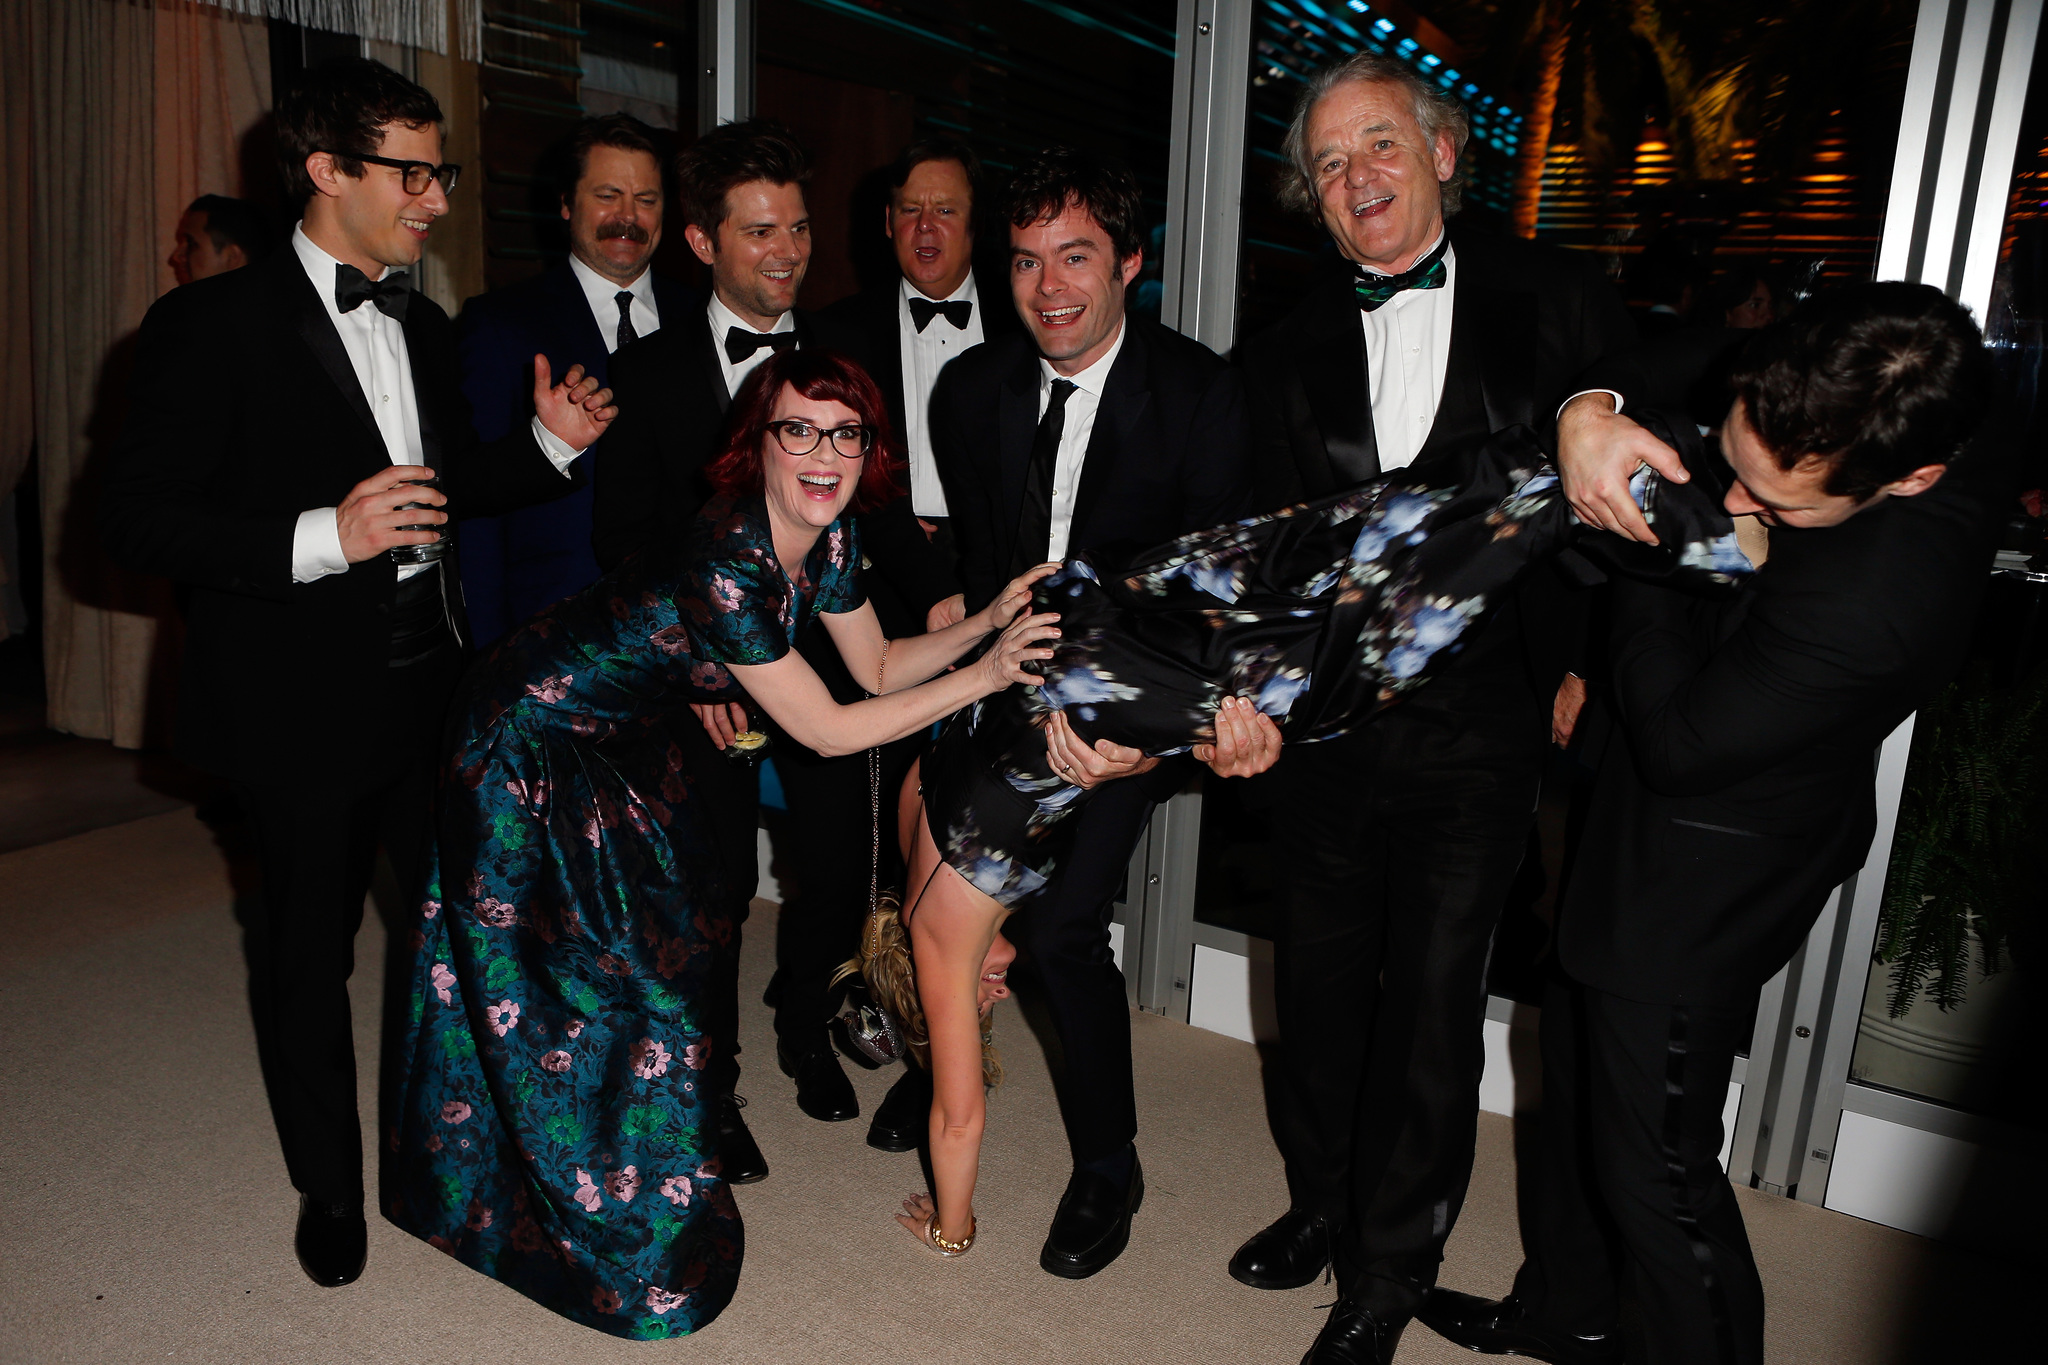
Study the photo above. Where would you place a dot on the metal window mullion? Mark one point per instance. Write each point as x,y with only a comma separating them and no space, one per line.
725,65
1205,170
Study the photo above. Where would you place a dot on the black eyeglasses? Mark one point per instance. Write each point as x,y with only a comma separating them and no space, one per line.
416,174
801,438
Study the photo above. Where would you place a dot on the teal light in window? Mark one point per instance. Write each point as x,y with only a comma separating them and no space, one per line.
1408,47
1430,61
1357,6
1383,27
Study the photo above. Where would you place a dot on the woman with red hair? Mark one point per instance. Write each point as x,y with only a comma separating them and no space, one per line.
553,1127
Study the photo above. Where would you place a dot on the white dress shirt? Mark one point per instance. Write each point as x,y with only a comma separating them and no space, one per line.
924,354
1082,405
376,350
1407,352
723,318
604,303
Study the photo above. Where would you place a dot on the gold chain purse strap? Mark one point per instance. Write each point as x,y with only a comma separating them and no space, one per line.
870,1029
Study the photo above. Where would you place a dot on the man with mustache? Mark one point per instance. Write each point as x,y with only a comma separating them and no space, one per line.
613,195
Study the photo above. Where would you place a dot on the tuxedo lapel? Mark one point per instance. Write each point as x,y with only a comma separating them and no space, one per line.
1017,425
1493,336
578,330
1330,358
710,367
1125,397
315,328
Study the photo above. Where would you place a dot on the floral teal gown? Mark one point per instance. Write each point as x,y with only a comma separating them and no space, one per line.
549,1127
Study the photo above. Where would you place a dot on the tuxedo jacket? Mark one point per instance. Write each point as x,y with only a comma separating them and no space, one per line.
1740,788
1170,451
514,565
1525,321
868,326
244,412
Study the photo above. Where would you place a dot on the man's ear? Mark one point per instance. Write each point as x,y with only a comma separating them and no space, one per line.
565,208
326,178
233,258
1128,269
702,246
1919,481
889,220
1446,158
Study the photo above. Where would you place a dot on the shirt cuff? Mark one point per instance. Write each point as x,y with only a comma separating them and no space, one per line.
316,546
559,452
1583,392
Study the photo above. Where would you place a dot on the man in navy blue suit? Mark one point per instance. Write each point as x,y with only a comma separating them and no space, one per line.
576,312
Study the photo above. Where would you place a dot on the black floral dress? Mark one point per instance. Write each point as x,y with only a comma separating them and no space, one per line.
551,1129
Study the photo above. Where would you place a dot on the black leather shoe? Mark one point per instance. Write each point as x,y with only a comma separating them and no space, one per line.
1093,1225
1496,1327
822,1090
739,1156
1354,1335
1287,1255
332,1241
905,1115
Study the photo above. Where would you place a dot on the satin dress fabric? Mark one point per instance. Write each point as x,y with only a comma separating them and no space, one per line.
551,1126
1326,613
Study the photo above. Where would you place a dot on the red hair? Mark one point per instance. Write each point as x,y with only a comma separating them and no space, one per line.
823,376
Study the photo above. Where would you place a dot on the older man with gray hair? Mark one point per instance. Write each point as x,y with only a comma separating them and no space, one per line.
1398,842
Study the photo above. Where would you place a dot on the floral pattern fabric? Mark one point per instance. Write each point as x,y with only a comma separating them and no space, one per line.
551,1126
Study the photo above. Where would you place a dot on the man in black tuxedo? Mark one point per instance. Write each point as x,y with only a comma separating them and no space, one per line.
1091,429
322,643
217,234
1399,842
1737,792
576,312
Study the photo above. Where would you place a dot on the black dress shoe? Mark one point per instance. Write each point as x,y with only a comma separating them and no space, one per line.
905,1116
822,1090
1496,1327
739,1156
1093,1225
1355,1335
1287,1255
332,1241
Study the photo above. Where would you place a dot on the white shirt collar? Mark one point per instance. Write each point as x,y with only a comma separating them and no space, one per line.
1095,376
598,286
723,318
964,291
320,267
1420,256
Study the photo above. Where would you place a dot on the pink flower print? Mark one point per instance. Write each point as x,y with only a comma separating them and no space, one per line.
502,1016
496,913
726,593
526,1234
623,1184
660,1300
557,1061
443,979
433,1142
695,1055
605,1300
650,1059
549,690
671,640
586,1193
575,1029
616,966
672,957
677,1190
479,1216
430,909
455,1111
707,677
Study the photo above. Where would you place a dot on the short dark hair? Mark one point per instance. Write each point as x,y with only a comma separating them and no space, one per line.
622,131
235,221
1060,178
939,147
1876,379
823,376
342,106
731,155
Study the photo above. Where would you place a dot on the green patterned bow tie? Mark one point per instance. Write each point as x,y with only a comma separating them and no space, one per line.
1428,273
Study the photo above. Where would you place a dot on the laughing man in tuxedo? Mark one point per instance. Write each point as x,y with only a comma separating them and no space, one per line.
1090,429
1399,841
317,668
577,312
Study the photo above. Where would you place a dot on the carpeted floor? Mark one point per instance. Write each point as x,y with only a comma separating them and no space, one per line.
146,1216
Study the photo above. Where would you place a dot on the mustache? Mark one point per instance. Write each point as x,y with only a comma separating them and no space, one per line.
632,232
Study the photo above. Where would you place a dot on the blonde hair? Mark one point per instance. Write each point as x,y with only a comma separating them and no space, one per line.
884,962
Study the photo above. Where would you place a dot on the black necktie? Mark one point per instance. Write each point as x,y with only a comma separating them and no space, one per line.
624,298
1034,518
922,311
352,287
741,343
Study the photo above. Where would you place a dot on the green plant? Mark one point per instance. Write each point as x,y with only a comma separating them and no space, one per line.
1966,856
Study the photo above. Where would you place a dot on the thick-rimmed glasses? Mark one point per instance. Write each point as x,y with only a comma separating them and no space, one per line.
416,174
801,438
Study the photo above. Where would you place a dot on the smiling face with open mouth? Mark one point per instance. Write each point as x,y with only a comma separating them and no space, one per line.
1377,174
811,490
994,983
763,248
928,224
378,221
1069,287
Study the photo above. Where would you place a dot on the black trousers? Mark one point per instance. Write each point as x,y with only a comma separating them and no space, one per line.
1629,1163
1398,845
726,793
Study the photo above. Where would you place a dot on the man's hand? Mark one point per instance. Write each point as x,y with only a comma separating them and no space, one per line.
950,611
722,720
1085,767
1247,740
369,520
576,410
1598,452
1564,710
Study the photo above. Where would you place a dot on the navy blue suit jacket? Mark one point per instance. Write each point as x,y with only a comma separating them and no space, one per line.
514,565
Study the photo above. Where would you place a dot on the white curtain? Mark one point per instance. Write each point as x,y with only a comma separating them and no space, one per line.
409,23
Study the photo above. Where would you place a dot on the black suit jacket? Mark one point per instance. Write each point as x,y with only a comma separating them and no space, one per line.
206,485
1526,320
1740,788
1170,452
514,565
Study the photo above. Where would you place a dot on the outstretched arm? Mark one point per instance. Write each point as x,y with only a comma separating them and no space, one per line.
914,658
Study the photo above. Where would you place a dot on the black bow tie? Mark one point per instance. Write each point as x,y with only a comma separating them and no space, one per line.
957,312
741,343
352,287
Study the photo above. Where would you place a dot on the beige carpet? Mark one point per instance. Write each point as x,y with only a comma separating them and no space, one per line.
144,1212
